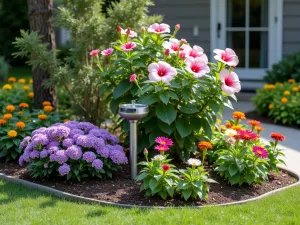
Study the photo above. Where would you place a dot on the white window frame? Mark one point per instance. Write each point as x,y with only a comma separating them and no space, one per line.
218,15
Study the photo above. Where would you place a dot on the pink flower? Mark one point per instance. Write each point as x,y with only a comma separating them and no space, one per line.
119,28
182,55
167,52
161,148
94,52
172,45
228,57
194,52
164,141
159,28
129,32
132,78
161,71
128,46
260,152
177,26
246,135
107,51
183,41
231,82
197,66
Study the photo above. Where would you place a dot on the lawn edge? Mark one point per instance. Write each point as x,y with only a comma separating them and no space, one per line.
76,198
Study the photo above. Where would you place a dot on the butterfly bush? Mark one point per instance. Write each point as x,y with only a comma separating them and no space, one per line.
183,89
72,149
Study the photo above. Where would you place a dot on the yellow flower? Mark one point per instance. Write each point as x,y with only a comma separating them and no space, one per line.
218,120
7,87
237,127
291,81
12,133
48,108
10,108
295,89
30,81
2,122
286,93
46,103
12,79
23,105
269,86
271,106
7,116
42,116
30,94
20,125
284,100
21,81
25,88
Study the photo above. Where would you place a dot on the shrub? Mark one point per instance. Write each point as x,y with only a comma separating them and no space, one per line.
73,149
288,68
240,156
184,94
280,102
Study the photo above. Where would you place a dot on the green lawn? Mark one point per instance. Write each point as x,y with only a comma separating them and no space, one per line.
20,72
19,205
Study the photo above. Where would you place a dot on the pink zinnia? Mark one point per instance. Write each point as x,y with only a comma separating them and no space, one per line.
94,52
161,71
107,51
161,148
196,66
128,46
195,52
226,56
159,28
231,82
129,32
164,141
132,78
246,135
260,152
172,45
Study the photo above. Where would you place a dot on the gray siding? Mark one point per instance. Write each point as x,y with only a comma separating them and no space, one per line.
291,27
188,13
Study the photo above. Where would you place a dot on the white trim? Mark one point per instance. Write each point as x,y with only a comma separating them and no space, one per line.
279,32
213,27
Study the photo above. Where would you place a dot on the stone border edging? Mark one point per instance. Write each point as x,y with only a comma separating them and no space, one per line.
76,198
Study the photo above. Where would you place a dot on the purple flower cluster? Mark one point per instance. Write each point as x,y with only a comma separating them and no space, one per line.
72,142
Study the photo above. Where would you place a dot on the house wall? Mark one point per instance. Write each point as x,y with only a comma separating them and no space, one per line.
291,27
192,15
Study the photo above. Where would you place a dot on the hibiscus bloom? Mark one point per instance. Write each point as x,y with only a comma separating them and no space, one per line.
195,52
159,28
231,82
197,66
129,32
260,152
226,56
173,45
107,51
161,71
128,46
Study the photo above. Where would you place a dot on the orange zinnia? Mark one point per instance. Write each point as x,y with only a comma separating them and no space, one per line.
42,116
20,125
10,108
236,127
12,79
239,115
48,108
253,123
7,116
203,145
259,128
46,103
30,94
23,105
284,100
2,122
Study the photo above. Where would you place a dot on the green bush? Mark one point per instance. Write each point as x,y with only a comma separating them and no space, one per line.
288,68
4,66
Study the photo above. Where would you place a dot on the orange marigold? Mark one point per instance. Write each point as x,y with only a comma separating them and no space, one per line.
25,88
286,93
46,103
239,115
20,125
42,116
269,86
12,133
21,81
23,105
10,108
12,79
203,145
271,106
7,87
7,116
291,81
284,100
48,108
253,123
2,122
30,94
295,89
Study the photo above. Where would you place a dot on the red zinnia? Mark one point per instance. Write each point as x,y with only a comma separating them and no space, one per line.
166,167
277,136
246,135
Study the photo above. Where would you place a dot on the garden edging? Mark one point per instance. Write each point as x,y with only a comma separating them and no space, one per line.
72,197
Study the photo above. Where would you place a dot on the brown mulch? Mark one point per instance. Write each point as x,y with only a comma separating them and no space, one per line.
266,119
121,189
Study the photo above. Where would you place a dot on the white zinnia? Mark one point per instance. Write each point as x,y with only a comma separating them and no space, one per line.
194,162
159,157
230,133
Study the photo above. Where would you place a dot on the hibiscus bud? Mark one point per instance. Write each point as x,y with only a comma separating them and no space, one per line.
167,52
177,26
145,151
143,29
128,31
132,78
182,55
183,41
119,28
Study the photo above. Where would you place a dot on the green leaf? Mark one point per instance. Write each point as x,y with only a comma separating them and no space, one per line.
165,127
173,95
147,99
101,89
232,169
114,105
235,179
152,184
183,127
170,190
166,113
206,127
164,97
122,88
9,143
186,93
186,194
250,178
141,177
188,108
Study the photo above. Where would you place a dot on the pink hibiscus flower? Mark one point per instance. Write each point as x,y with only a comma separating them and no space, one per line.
161,71
132,78
128,46
107,52
159,28
164,141
129,32
195,52
173,45
260,152
94,52
231,82
228,57
197,66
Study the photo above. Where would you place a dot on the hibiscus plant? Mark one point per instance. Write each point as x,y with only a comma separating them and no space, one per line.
184,91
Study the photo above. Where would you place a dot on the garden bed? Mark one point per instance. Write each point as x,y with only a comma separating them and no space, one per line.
121,189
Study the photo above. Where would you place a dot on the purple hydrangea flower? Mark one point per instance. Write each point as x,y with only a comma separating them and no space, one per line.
98,132
60,156
113,139
34,154
41,130
85,141
54,143
68,142
76,131
85,126
44,153
40,139
25,142
74,152
118,157
89,156
21,160
52,150
58,131
26,157
30,146
64,169
63,131
97,164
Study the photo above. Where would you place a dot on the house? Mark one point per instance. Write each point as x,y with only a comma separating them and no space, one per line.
261,32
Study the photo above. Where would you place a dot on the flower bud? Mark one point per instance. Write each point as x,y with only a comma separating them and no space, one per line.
182,55
145,151
132,78
143,29
119,28
167,52
128,30
183,41
177,27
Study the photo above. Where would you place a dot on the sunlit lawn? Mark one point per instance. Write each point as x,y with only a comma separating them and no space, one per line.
19,205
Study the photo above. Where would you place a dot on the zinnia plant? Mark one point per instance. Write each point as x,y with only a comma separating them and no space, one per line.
183,90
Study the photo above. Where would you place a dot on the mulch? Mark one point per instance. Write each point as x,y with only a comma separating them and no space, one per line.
265,119
121,189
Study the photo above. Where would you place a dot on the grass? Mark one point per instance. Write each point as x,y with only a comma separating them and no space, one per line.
19,205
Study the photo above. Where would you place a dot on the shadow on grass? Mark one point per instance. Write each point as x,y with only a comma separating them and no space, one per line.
96,213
